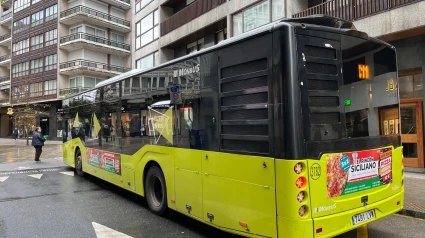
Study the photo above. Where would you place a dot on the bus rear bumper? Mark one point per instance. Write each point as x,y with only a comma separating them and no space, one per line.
340,223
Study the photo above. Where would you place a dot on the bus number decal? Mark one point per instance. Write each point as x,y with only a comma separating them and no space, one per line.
315,171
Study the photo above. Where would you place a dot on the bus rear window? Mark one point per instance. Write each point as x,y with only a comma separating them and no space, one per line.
369,92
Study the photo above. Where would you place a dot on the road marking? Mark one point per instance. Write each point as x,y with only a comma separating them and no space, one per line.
68,173
29,171
362,232
2,179
37,176
106,232
23,168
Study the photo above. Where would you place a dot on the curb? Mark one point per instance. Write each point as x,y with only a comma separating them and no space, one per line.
412,213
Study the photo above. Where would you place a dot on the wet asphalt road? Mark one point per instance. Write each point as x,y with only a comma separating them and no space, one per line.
60,205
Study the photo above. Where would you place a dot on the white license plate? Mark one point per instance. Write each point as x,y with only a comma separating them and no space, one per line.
362,217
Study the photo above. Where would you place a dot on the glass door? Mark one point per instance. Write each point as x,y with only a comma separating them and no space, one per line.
411,132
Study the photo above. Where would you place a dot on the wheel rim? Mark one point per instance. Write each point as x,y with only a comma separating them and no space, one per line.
156,191
79,163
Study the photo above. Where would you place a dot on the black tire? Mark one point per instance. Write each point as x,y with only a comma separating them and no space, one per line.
156,191
79,163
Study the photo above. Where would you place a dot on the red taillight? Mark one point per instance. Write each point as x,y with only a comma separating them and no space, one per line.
319,230
298,168
301,182
398,203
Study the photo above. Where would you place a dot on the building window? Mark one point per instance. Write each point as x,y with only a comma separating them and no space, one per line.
258,15
147,30
19,5
50,62
117,38
84,82
36,89
51,12
21,69
140,4
95,31
148,61
37,18
35,1
19,92
220,36
37,66
51,37
50,87
20,47
410,86
37,42
21,25
195,46
76,82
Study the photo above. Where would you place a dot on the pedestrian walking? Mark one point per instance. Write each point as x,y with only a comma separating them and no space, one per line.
15,133
38,143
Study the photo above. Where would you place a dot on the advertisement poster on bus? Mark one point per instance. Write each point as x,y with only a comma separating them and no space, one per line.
358,171
108,161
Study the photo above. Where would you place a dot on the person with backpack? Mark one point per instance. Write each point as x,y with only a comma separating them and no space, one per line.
38,142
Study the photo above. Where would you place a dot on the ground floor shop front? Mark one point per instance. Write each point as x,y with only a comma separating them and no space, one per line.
411,78
25,118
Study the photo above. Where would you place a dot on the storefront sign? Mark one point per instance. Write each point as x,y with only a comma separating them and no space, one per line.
358,171
108,161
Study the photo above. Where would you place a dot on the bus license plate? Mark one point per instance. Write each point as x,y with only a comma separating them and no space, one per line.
362,217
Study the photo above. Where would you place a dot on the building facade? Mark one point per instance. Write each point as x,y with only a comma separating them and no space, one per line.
168,29
53,48
400,23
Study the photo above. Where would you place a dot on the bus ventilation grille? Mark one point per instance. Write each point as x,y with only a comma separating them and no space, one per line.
244,99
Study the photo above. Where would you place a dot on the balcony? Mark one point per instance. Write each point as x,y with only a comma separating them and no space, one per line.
352,10
6,16
5,40
123,4
188,14
80,14
65,92
4,80
86,41
5,61
4,101
81,66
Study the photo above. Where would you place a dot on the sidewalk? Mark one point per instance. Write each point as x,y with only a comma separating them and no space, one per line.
17,151
414,199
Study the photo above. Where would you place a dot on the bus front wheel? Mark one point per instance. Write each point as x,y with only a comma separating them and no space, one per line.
155,191
79,163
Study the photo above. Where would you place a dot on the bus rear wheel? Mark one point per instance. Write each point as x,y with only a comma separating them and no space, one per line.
79,163
155,191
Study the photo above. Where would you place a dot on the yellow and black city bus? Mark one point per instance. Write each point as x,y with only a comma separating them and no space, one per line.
290,130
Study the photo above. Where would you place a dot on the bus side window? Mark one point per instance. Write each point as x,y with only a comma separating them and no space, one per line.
190,135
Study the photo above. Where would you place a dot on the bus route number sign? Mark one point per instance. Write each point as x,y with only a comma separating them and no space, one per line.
175,94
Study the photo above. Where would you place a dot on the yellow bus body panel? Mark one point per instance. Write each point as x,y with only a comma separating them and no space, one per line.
386,199
226,190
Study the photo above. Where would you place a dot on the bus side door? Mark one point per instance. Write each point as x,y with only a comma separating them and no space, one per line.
188,182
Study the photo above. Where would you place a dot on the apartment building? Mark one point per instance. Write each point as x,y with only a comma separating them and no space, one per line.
53,48
168,29
401,23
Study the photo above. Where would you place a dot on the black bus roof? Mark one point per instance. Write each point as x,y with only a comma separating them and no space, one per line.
323,22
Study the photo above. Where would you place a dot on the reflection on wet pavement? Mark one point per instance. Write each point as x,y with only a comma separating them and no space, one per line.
11,151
